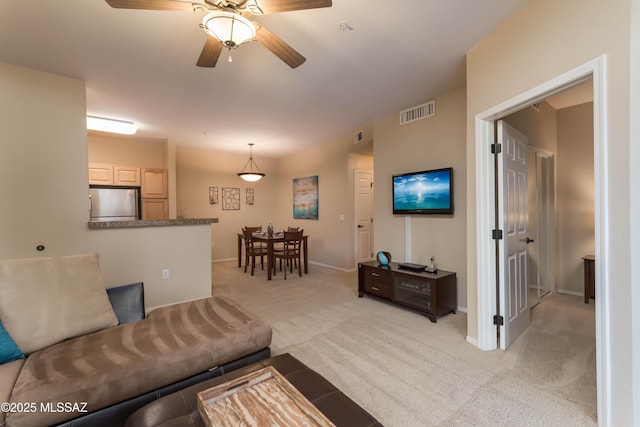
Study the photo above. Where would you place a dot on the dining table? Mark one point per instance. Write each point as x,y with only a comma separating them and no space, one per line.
270,241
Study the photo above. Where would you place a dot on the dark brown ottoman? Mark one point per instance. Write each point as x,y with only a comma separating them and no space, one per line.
180,408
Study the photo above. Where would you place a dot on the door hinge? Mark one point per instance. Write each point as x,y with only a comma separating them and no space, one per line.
496,148
496,234
498,320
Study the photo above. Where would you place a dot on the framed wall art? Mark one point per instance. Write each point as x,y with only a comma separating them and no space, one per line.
250,198
305,197
230,199
213,195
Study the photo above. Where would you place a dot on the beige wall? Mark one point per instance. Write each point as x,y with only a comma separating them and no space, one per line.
546,39
198,169
331,240
576,215
432,143
127,151
43,188
539,126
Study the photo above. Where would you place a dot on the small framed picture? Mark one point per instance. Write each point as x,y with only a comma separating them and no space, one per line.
250,198
213,195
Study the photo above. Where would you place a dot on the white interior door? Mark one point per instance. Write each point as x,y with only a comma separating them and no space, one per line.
512,219
363,181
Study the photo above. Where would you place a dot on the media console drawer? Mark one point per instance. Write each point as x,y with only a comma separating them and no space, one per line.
378,282
434,295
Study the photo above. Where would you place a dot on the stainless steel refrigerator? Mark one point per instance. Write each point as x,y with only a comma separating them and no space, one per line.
114,204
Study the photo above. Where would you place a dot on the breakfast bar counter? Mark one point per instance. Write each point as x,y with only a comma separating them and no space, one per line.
103,225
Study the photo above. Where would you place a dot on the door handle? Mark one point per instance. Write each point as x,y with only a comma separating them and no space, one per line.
527,240
360,226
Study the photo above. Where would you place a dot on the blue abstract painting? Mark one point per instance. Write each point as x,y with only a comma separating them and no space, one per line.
305,197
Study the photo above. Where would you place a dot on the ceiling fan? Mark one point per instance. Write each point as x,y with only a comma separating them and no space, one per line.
226,24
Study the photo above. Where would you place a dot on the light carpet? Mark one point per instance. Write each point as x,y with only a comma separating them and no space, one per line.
407,371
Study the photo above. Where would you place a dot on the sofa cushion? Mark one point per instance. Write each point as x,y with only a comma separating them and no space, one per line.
9,351
119,363
47,300
127,302
8,375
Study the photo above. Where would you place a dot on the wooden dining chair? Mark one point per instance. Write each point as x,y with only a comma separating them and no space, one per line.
252,251
256,230
291,252
278,246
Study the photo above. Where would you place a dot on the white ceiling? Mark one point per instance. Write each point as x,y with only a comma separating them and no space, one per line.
139,65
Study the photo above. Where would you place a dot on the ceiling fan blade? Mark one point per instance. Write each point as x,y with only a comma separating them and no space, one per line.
278,47
210,53
172,5
275,6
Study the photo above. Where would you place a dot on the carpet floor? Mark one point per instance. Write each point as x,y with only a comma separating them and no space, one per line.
407,371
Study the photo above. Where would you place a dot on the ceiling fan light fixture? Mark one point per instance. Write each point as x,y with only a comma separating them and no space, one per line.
111,125
229,28
250,174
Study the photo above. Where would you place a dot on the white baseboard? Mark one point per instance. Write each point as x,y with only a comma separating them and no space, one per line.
223,260
472,341
333,267
568,292
462,309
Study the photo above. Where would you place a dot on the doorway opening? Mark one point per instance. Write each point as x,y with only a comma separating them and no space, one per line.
485,213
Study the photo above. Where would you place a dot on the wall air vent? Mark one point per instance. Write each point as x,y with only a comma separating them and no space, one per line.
418,113
358,138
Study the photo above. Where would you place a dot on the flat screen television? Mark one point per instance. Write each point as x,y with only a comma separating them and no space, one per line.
424,193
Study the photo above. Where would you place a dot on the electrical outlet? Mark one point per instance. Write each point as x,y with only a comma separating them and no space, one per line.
165,274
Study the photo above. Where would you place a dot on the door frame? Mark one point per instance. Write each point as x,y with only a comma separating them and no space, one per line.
485,214
355,216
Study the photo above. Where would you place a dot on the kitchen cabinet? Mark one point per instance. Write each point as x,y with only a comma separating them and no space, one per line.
154,190
126,175
154,184
100,174
153,209
108,174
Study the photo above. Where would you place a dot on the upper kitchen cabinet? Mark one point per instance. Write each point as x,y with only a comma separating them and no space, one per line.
100,173
106,174
155,184
126,175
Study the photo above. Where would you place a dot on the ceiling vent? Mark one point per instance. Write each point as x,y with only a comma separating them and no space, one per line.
358,138
418,113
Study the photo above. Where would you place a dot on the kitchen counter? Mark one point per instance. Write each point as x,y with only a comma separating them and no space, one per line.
103,225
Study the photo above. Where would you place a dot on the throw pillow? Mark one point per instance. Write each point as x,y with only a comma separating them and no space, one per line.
47,300
9,351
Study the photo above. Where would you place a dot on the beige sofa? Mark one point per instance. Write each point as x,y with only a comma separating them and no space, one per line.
84,368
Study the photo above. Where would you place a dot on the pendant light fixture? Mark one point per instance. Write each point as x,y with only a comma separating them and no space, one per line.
250,174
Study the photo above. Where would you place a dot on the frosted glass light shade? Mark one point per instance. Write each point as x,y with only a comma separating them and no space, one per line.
230,28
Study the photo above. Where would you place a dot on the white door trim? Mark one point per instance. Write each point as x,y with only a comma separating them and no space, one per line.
485,215
355,216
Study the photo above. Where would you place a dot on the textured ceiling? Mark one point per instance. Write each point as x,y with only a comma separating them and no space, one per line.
140,66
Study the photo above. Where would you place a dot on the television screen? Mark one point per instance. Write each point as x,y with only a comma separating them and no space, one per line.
425,192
